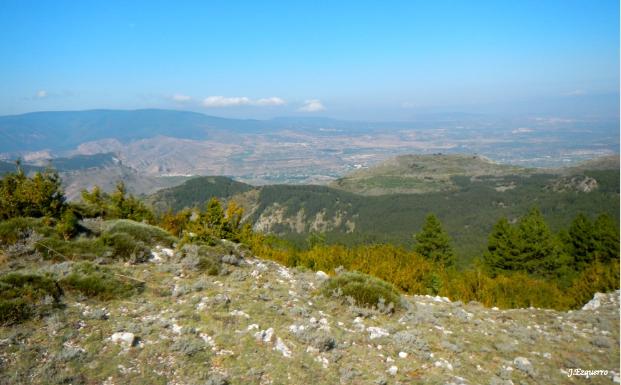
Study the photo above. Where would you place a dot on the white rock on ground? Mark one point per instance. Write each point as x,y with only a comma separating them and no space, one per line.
442,363
595,302
375,332
124,338
265,335
321,275
393,370
523,364
239,313
281,347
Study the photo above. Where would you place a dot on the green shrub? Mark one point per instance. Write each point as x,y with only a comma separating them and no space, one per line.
81,248
125,247
21,296
202,258
99,282
598,277
14,311
140,232
13,229
209,265
68,226
364,289
28,286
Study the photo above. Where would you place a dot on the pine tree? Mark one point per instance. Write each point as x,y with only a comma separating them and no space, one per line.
95,201
233,218
434,243
503,248
67,227
214,218
39,196
606,239
581,241
540,252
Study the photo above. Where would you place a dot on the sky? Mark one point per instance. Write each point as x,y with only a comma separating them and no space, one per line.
376,60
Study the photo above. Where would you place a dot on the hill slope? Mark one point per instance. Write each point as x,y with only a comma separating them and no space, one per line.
468,210
261,323
407,174
195,192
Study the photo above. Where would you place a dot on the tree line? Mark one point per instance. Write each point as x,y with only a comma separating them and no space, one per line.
525,263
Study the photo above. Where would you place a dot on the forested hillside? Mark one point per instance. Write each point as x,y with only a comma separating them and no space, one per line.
195,192
468,210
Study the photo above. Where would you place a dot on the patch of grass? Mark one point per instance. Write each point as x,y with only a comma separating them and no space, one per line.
140,232
363,289
99,282
21,296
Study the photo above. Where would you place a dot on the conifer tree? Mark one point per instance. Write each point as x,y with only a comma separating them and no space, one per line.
581,241
37,196
503,248
606,239
214,218
434,243
540,251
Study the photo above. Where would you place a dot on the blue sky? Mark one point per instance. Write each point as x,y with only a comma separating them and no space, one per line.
348,59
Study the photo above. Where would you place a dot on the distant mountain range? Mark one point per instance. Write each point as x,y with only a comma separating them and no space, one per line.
154,148
65,130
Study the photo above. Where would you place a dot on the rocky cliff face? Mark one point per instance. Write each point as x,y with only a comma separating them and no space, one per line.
274,219
261,323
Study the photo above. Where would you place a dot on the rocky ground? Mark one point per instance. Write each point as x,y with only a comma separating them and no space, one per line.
261,323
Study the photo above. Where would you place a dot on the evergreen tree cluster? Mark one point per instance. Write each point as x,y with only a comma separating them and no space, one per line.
116,205
530,246
38,196
208,225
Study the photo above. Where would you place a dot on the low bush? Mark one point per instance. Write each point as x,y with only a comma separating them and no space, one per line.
14,311
57,249
363,289
99,282
24,295
124,246
517,290
599,277
209,265
202,258
140,232
14,229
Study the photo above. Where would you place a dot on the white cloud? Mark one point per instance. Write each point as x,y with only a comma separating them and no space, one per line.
522,130
41,94
575,93
234,101
181,98
222,101
409,105
312,105
273,101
